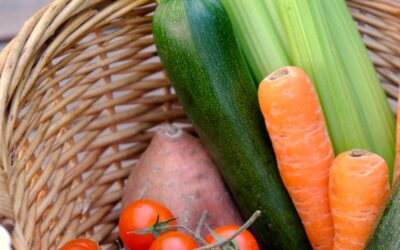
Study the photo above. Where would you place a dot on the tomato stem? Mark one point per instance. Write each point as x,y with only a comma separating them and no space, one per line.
203,218
246,225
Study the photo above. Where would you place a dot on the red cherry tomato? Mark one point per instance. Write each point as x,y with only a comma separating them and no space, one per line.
80,244
245,239
174,241
139,215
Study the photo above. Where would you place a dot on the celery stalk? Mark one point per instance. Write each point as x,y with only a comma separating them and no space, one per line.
369,94
323,41
272,10
257,36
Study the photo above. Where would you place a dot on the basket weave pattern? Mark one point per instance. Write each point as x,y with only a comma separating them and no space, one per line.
81,90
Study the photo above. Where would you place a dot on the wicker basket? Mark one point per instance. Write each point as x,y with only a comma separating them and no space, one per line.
81,90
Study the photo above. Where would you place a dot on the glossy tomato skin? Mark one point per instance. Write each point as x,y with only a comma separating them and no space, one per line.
245,239
139,215
80,244
173,241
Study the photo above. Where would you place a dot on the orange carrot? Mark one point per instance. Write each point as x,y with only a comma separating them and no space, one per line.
396,173
358,187
299,136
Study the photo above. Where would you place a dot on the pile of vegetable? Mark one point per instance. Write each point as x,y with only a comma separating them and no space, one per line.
198,49
177,171
293,127
320,38
175,199
149,225
328,106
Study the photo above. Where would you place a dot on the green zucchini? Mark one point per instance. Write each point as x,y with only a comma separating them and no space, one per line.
196,45
386,234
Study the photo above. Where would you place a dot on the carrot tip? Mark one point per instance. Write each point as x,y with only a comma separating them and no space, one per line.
358,153
278,74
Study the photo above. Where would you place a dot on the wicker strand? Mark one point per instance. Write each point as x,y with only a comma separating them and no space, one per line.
6,76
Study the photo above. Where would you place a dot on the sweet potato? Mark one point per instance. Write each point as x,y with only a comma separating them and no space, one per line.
177,171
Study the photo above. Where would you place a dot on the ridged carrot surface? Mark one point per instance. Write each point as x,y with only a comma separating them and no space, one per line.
301,143
358,187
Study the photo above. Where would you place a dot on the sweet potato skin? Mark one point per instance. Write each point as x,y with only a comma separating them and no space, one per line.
177,171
